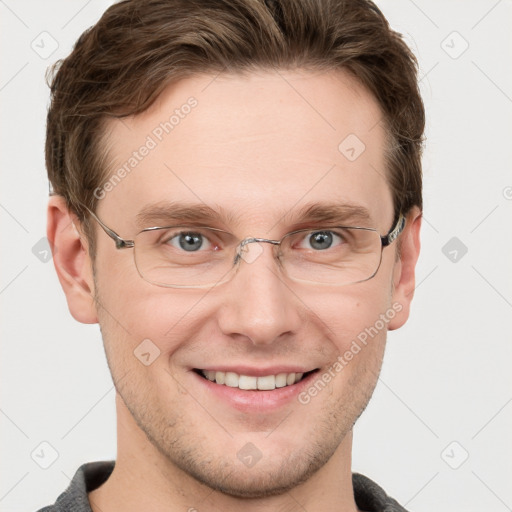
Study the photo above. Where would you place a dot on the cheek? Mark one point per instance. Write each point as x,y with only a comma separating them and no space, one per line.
137,318
359,312
358,322
139,309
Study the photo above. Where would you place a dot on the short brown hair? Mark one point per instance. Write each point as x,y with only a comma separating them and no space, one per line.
119,67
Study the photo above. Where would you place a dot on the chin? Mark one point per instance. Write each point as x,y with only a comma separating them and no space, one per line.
269,479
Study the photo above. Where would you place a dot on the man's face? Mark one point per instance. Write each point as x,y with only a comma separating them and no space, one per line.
259,148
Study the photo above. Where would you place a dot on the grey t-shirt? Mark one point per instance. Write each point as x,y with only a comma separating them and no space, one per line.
367,494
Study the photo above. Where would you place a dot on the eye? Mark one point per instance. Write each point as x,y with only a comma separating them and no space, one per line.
321,240
189,241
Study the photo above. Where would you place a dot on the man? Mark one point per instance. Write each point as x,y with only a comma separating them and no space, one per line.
237,202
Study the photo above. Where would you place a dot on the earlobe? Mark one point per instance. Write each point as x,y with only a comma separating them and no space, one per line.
71,260
404,269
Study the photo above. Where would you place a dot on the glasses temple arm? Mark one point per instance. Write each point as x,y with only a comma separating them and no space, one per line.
121,243
394,233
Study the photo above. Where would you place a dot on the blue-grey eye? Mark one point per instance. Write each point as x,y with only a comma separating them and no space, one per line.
189,241
321,240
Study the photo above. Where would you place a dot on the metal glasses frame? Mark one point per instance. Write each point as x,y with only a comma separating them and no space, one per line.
122,243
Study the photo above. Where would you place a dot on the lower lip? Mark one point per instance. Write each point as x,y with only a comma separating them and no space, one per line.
255,400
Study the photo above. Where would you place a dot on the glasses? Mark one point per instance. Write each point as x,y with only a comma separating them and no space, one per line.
184,256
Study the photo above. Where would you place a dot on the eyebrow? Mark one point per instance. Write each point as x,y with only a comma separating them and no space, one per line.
182,213
331,213
165,213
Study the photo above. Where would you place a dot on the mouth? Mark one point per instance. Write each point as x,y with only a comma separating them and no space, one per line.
254,383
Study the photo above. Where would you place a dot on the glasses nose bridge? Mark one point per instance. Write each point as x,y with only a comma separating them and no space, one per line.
250,240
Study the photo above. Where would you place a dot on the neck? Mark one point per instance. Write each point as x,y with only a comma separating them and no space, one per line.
143,479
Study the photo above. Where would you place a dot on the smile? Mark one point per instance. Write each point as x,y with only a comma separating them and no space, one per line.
248,382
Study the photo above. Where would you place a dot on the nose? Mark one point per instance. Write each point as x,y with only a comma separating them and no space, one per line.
259,304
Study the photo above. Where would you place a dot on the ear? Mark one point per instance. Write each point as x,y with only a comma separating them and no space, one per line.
71,260
404,271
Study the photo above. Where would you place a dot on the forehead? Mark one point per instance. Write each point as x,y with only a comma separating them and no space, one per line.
254,146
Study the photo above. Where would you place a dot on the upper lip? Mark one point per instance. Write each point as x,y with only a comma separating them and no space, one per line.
253,371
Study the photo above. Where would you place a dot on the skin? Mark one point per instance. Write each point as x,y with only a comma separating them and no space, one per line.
255,147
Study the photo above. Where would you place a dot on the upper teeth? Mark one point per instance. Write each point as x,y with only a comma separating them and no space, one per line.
266,382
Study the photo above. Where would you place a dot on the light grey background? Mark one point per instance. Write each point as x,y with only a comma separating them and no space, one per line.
445,390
